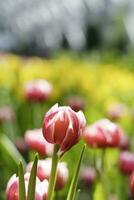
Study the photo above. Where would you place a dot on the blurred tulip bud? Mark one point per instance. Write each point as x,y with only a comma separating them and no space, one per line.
126,162
63,126
6,114
131,184
102,133
124,142
13,188
115,112
38,90
76,103
44,170
35,141
88,175
21,145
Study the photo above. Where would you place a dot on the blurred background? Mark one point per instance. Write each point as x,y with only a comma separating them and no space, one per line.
40,28
84,49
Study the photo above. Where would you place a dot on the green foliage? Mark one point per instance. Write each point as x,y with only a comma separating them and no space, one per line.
32,180
22,192
73,187
9,150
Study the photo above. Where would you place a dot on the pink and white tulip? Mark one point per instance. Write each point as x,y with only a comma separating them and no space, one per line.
12,190
63,126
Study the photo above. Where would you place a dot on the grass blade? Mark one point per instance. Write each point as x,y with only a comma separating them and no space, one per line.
22,191
32,180
73,186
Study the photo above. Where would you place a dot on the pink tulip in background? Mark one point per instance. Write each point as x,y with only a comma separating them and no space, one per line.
126,162
87,176
35,141
102,133
76,103
116,111
37,90
44,169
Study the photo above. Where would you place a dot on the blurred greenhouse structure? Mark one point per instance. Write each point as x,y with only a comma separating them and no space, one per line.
76,24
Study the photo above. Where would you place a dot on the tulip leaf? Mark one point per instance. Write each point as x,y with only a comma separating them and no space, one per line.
73,186
10,150
32,180
22,192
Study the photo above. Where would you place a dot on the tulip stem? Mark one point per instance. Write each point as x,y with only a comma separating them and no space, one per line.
103,173
52,180
103,160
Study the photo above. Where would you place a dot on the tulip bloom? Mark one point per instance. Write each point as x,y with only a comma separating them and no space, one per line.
13,188
44,170
126,162
38,90
102,133
35,141
63,126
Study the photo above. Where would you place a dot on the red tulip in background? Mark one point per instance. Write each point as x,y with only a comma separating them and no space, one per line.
13,187
126,162
102,133
63,126
44,169
76,103
38,90
88,175
35,141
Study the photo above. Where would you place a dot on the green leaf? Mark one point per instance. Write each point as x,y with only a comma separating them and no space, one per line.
22,192
32,180
10,150
73,186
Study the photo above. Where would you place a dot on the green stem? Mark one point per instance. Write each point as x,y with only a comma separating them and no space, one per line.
103,161
52,180
103,174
